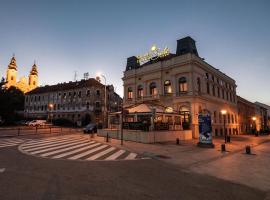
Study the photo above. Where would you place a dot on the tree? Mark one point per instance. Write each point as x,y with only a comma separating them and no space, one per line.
11,101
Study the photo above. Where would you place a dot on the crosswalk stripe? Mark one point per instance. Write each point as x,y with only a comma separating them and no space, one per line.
50,145
75,151
131,156
12,140
87,152
115,155
7,145
102,153
56,147
30,144
65,149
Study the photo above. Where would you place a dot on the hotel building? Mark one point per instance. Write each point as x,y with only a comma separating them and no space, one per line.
184,82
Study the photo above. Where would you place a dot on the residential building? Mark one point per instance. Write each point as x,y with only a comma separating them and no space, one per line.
80,102
184,82
262,116
246,114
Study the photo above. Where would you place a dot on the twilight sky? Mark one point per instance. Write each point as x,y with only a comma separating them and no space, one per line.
91,36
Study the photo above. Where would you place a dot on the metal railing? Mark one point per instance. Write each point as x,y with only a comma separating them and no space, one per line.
26,130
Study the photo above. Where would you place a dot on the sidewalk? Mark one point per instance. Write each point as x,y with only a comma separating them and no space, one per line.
187,153
233,165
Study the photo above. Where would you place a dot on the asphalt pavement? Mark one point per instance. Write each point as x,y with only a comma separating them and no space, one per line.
27,177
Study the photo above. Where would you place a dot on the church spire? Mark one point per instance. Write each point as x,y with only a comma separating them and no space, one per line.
34,69
12,64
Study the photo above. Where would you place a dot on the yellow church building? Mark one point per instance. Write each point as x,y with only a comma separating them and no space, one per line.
23,84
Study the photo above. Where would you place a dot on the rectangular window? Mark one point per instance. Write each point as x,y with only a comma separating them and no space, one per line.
213,90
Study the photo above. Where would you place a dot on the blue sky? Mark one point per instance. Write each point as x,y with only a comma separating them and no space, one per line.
91,36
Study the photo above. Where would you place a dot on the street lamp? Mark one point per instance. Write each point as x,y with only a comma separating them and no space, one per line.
51,107
254,124
224,112
105,100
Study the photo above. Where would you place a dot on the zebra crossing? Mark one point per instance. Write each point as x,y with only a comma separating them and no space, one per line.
76,148
9,142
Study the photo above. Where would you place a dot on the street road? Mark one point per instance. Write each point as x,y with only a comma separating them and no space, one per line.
35,177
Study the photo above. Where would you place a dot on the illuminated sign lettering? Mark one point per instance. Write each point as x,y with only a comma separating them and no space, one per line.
153,54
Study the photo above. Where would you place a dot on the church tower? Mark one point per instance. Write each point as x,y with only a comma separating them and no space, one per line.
33,77
11,73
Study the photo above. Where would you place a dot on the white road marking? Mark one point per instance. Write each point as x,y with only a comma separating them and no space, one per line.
31,144
75,151
131,156
37,147
87,152
115,155
100,154
56,147
65,149
2,170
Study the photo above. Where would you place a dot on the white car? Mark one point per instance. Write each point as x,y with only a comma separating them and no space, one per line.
37,123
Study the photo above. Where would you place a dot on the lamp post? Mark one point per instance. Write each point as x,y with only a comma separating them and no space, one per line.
50,107
224,112
105,100
254,124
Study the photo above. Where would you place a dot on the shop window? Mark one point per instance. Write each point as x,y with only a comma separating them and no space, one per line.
130,93
182,84
140,91
167,87
153,89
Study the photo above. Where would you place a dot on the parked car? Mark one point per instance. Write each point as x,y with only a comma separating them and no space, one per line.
90,128
37,123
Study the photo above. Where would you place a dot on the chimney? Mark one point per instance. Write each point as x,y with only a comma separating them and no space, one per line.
132,63
186,45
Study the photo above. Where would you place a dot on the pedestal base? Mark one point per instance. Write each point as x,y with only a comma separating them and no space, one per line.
203,145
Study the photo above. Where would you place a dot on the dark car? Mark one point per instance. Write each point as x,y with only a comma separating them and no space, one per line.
90,128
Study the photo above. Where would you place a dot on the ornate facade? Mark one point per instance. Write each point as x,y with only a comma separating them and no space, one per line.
24,84
186,83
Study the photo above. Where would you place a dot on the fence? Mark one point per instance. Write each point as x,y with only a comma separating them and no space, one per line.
21,131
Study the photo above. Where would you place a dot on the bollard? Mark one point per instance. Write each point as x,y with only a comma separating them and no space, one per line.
36,129
50,130
256,134
248,149
177,141
228,138
18,131
107,137
223,147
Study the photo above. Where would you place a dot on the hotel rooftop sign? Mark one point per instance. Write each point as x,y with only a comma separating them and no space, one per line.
153,54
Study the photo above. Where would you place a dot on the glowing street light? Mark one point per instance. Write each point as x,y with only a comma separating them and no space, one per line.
50,107
224,112
254,118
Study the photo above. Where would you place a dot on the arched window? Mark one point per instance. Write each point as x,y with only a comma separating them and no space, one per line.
199,84
167,87
153,89
183,84
12,78
140,91
130,93
34,83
